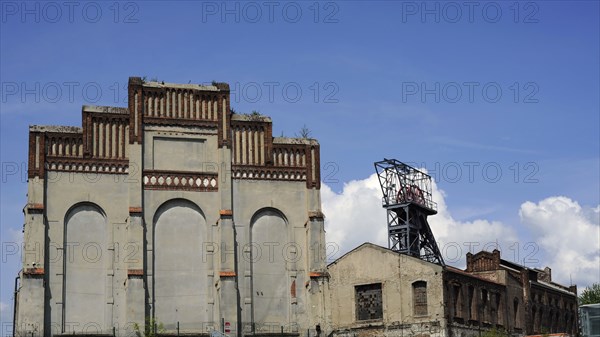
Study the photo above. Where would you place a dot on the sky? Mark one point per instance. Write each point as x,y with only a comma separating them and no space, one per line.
498,101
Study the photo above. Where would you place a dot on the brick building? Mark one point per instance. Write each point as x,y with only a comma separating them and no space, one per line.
173,209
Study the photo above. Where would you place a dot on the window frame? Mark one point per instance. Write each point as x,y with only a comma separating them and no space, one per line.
420,306
370,287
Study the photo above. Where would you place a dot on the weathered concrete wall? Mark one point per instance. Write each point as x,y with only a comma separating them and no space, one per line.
86,262
397,273
153,211
277,248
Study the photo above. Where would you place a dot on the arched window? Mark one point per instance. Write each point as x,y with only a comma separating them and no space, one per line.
420,298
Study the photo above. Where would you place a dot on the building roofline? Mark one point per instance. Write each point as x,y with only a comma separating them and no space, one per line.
55,128
104,109
290,140
201,87
553,286
251,118
462,272
593,305
383,249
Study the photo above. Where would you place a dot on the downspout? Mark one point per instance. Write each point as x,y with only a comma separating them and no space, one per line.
15,303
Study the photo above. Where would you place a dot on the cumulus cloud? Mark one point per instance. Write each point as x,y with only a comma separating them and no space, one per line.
355,216
566,235
457,238
569,237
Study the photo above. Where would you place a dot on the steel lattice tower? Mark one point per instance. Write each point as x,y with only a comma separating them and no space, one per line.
408,201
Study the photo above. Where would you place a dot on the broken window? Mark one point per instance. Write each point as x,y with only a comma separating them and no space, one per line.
369,303
420,298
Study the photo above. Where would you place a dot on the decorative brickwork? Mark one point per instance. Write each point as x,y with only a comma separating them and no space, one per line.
187,181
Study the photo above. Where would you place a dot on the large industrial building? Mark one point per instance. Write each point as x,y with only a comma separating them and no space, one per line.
376,291
177,216
175,209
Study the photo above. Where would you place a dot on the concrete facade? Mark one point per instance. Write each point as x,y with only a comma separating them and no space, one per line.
174,210
397,274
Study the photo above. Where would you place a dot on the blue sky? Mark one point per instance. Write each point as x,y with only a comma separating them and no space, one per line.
506,94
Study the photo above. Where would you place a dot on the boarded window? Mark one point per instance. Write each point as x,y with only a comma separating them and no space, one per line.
499,309
471,303
369,302
420,298
457,300
516,312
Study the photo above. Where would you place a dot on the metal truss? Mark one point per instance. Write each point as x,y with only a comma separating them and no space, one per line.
407,197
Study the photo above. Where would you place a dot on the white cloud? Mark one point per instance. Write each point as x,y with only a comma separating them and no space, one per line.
355,216
569,236
456,238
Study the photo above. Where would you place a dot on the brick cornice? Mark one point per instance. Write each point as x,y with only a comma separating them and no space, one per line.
227,274
135,272
33,271
135,210
35,208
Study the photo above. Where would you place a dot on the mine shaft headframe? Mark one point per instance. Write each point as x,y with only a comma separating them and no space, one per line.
407,197
402,184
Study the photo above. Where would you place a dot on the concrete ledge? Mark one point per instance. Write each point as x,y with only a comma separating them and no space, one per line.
316,214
